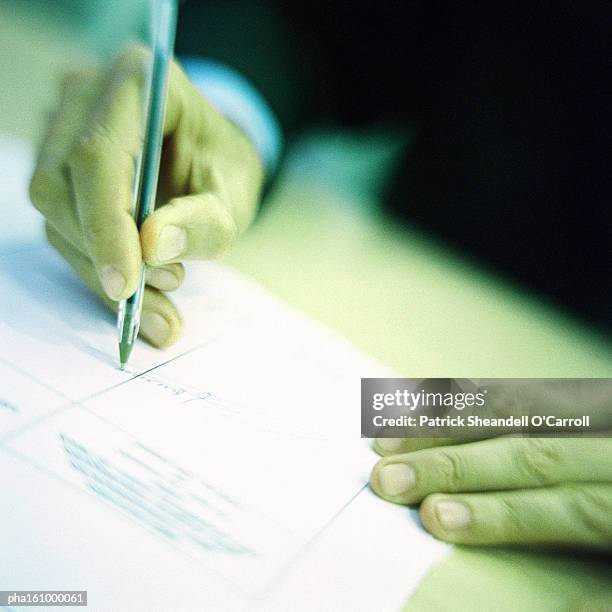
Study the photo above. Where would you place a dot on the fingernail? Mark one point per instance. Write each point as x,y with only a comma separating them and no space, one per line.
112,281
396,478
389,445
453,515
171,243
155,327
162,279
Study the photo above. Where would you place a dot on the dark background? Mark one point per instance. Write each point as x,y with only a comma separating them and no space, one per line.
510,102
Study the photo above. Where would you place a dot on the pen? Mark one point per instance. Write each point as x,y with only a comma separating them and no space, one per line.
128,316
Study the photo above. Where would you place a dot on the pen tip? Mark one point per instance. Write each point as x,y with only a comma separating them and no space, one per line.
124,353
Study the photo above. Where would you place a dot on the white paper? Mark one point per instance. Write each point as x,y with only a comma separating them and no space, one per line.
227,473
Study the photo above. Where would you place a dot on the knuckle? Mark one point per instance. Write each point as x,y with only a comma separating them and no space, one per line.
70,78
217,228
134,55
510,512
226,236
132,63
36,191
86,148
539,457
95,232
77,79
451,467
42,184
592,506
101,144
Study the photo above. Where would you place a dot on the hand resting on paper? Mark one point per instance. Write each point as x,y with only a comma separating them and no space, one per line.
554,491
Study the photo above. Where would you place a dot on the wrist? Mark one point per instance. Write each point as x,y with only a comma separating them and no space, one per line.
234,97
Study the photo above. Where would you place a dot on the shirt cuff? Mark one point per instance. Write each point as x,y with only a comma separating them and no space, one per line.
238,100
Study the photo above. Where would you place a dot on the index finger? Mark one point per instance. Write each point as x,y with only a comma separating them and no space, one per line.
103,167
498,464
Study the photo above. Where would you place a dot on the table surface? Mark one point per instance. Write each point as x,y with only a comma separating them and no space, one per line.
401,296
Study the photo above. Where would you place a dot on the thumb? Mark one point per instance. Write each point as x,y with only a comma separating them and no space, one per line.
191,227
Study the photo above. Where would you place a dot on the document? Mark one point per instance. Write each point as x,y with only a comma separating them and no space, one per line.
226,473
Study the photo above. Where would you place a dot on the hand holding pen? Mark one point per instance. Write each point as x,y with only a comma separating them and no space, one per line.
209,184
